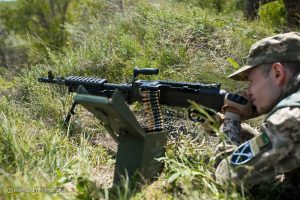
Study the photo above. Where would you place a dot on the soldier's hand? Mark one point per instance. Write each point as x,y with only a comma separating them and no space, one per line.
237,107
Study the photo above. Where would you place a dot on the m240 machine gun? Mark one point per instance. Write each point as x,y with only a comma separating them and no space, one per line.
137,147
152,93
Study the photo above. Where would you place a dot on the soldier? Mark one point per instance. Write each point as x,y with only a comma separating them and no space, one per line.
273,70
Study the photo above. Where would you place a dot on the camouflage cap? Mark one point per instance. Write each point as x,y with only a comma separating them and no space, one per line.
279,48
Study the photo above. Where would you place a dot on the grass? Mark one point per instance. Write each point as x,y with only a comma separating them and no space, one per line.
187,43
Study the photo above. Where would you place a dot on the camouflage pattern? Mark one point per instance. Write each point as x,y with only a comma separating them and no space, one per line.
281,155
279,48
232,129
236,132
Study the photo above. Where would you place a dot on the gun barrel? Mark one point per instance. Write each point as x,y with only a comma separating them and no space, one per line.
47,80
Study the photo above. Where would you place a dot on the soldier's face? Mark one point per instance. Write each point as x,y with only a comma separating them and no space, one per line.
262,90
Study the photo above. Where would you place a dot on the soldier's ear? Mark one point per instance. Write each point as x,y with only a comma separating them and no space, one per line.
278,73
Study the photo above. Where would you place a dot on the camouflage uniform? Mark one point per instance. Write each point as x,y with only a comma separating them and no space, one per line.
282,125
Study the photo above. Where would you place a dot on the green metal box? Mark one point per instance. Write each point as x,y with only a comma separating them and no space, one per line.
137,154
137,150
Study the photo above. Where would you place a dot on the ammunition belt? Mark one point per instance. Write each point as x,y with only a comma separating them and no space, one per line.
152,110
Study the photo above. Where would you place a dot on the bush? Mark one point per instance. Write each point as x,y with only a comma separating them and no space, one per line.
273,14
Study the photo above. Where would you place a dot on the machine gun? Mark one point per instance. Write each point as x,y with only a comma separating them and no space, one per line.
152,93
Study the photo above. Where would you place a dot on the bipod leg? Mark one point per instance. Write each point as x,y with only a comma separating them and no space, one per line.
70,113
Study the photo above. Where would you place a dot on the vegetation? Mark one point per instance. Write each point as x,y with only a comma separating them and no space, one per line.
187,40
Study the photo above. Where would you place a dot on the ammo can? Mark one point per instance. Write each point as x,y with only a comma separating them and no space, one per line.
137,150
138,154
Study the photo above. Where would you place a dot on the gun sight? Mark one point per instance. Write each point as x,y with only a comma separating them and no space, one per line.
50,75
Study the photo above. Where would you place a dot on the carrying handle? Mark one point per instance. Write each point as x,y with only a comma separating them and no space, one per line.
144,71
